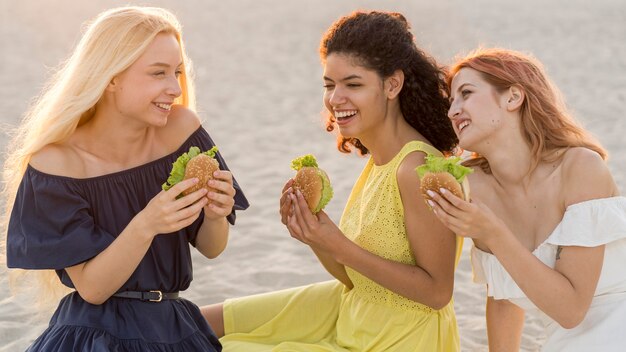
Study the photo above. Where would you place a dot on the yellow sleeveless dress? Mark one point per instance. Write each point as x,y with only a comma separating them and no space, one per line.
327,316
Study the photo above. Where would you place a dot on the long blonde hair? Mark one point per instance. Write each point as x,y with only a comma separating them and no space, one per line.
547,125
112,41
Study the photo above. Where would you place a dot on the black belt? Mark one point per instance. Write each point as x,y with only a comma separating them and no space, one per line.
152,296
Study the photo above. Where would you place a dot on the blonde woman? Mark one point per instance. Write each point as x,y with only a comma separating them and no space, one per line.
84,178
548,224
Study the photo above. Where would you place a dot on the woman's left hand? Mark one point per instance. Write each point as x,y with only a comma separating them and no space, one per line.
317,231
222,197
467,219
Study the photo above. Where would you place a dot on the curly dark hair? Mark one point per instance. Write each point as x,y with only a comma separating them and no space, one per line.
382,42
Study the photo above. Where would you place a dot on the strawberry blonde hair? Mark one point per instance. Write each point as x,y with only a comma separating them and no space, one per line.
547,125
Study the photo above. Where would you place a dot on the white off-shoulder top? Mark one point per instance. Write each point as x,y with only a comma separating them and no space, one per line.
588,224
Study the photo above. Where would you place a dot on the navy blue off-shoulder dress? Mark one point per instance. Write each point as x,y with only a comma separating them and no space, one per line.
58,222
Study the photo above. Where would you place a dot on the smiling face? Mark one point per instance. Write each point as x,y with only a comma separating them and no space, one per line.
147,89
476,109
354,95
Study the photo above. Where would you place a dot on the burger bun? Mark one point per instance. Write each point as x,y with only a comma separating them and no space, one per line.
433,181
309,182
201,167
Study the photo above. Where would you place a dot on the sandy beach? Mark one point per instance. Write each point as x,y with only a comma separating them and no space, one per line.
259,90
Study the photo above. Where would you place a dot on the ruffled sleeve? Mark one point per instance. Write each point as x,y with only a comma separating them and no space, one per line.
588,224
591,223
486,269
51,225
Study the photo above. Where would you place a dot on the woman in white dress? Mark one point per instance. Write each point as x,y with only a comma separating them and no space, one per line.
548,225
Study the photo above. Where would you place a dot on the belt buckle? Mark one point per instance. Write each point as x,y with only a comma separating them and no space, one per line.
158,299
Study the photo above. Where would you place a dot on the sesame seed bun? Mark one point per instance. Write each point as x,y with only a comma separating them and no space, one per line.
201,166
315,186
433,181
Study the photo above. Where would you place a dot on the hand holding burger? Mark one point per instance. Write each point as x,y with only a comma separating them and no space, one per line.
192,164
312,181
439,172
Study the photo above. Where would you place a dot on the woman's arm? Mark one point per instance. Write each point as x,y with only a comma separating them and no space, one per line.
212,237
505,322
429,282
213,234
100,277
565,292
286,209
337,270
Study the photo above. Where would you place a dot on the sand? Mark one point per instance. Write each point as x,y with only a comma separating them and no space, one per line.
259,93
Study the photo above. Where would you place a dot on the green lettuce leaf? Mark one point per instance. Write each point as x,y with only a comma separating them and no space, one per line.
304,161
441,164
327,191
178,167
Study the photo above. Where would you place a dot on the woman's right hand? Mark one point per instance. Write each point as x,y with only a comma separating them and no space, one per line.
285,202
466,218
164,213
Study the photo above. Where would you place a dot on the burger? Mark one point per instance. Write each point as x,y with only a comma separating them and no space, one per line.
193,163
312,181
440,172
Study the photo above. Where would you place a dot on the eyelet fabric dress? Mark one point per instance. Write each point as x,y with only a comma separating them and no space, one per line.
58,222
587,224
329,317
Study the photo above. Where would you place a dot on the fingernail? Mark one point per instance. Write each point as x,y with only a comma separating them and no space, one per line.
196,180
299,193
431,203
442,190
430,193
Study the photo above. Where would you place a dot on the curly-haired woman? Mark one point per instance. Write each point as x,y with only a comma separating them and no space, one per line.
393,260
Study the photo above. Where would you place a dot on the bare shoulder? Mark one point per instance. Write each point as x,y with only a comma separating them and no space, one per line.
183,117
181,123
585,175
58,159
406,171
409,182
